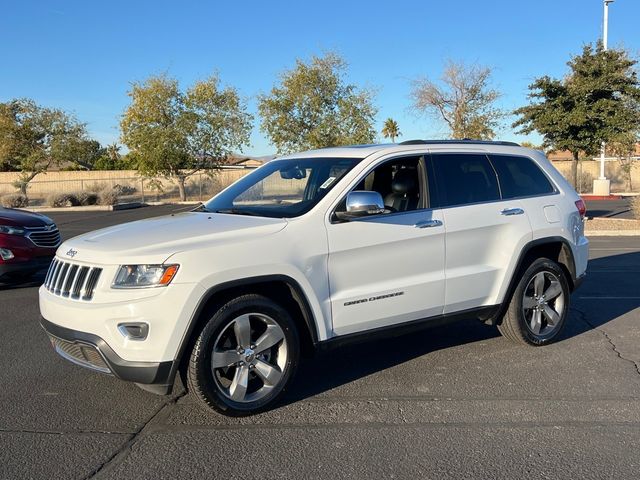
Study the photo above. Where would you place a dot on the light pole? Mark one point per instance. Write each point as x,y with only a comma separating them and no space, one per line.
601,186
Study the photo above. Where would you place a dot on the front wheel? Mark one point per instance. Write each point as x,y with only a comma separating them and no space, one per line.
245,356
539,305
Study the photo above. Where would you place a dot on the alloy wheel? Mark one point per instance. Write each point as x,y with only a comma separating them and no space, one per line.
543,303
249,357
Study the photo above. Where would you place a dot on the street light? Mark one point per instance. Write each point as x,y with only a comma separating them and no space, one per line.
602,186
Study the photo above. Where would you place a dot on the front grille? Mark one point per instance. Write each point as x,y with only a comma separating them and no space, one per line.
80,353
44,237
70,280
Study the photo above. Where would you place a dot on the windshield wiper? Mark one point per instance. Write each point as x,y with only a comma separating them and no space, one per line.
236,211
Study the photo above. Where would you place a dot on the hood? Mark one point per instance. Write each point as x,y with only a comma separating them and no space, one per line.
155,239
22,218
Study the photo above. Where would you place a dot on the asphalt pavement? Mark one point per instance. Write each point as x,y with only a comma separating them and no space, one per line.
457,401
619,208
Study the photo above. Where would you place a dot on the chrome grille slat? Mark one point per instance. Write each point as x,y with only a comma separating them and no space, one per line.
54,278
49,272
68,281
60,280
79,283
71,280
42,237
91,283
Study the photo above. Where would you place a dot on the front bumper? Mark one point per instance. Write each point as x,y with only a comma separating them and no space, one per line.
90,351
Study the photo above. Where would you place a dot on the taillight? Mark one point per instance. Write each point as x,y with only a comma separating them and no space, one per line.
582,208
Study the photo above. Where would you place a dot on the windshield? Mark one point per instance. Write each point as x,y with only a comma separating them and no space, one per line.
282,188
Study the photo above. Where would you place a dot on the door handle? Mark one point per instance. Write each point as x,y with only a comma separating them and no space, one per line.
428,224
512,211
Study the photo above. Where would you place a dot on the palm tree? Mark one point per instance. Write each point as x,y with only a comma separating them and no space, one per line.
391,129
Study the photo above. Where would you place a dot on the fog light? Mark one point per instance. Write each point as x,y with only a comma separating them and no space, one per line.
134,331
6,254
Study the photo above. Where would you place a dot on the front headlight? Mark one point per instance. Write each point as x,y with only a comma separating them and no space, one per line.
139,276
11,230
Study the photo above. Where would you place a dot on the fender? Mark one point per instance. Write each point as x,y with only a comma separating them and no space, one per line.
565,256
296,291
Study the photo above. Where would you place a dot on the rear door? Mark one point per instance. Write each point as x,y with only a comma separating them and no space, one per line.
483,232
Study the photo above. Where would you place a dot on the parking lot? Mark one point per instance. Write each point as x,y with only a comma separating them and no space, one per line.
451,402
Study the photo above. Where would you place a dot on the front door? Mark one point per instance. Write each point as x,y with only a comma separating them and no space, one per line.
388,268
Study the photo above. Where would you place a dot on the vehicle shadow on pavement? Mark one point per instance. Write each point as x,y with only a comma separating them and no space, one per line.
328,370
34,281
349,363
611,290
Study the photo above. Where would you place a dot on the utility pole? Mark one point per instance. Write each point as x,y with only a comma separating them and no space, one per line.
602,186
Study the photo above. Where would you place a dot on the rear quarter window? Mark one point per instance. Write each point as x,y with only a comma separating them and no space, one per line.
520,177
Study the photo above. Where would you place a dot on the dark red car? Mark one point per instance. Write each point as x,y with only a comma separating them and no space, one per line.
28,242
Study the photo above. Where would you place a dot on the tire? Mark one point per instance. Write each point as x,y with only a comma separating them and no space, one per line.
539,305
239,379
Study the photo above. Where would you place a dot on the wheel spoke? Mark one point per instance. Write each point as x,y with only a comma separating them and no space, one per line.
224,358
269,374
538,283
238,388
242,330
528,302
551,315
553,291
270,338
536,322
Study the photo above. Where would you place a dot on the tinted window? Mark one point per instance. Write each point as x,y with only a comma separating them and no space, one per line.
520,177
464,178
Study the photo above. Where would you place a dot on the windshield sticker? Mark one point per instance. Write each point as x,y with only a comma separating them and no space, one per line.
327,182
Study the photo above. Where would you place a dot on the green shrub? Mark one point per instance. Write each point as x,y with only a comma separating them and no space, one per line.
64,200
14,200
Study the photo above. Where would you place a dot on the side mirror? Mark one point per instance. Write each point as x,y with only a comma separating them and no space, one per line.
362,203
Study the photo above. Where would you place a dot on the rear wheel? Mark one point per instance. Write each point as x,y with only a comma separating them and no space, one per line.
245,356
539,305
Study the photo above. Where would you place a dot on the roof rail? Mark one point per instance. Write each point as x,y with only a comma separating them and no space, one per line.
468,141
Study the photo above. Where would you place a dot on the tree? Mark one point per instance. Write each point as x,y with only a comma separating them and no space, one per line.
82,154
531,145
34,138
390,129
463,99
313,107
177,133
624,147
598,101
111,159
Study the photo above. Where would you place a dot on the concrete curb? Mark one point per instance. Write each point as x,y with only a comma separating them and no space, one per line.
88,208
612,233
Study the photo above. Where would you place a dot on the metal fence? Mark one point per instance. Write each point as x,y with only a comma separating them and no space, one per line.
127,188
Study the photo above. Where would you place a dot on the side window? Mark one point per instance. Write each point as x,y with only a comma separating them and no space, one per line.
520,177
399,182
463,178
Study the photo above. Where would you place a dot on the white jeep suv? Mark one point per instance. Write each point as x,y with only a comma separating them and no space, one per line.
316,249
